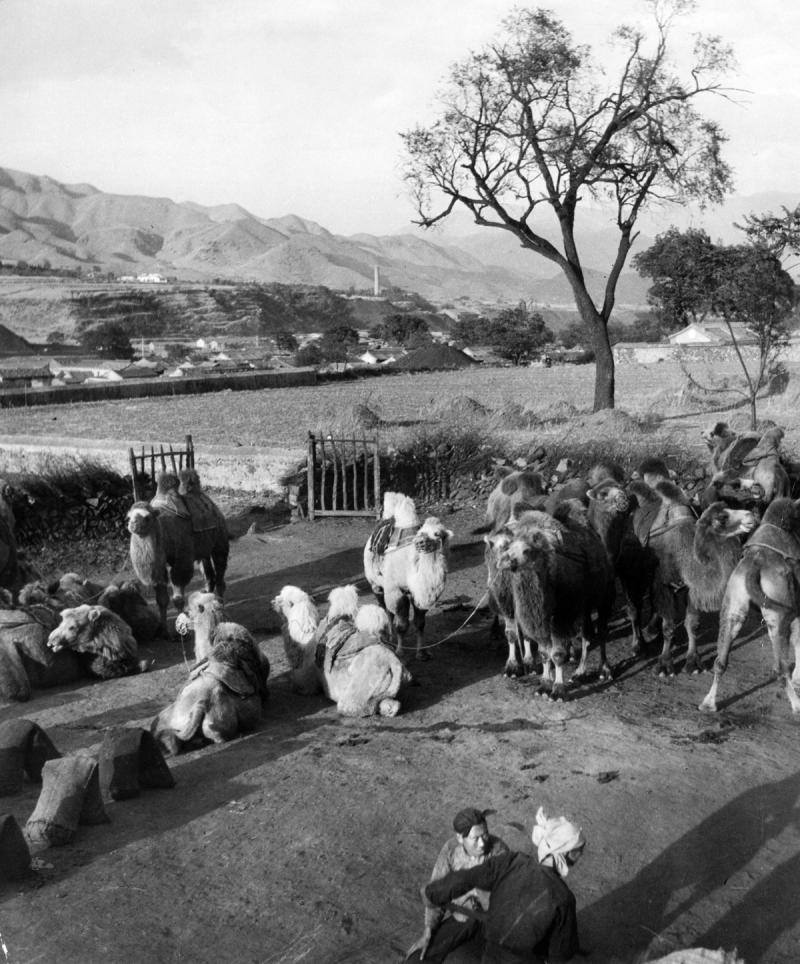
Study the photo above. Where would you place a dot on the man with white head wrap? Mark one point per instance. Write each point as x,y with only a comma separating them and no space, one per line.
532,912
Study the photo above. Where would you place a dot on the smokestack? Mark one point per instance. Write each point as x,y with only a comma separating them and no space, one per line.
376,287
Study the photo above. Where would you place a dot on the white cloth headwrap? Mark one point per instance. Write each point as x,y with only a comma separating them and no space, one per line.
555,837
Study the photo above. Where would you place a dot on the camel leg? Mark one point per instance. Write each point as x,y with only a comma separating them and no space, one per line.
731,619
580,672
209,574
666,607
559,690
633,609
546,681
530,652
400,609
513,636
691,623
419,626
162,602
794,636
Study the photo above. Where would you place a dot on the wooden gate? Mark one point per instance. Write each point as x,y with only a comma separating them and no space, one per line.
145,465
344,476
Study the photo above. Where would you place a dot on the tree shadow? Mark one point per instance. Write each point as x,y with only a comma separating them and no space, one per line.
698,867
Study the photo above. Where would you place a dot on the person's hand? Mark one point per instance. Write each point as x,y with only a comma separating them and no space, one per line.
421,945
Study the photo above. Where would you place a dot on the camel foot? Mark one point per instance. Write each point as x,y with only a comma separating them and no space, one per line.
666,668
145,664
558,694
388,707
529,667
708,706
693,665
606,673
544,689
513,669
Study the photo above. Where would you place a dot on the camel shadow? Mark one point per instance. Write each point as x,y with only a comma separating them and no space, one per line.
716,861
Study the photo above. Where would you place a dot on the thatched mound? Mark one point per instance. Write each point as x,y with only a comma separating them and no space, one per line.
461,406
364,417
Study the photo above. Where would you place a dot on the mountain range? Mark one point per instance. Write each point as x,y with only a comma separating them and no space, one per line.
70,225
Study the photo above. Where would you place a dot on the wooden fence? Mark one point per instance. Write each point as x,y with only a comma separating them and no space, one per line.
344,477
145,465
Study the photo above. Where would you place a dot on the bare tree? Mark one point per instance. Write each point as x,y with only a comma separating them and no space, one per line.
532,122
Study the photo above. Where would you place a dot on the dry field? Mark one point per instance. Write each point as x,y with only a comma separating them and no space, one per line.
282,417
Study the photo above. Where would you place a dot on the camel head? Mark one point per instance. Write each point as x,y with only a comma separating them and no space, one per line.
528,548
727,523
612,495
432,536
141,519
202,608
298,613
77,624
342,601
605,471
527,541
718,436
524,483
389,502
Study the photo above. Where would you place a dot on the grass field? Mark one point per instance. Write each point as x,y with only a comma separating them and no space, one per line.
282,417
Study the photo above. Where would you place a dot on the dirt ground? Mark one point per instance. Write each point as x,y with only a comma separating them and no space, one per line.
307,840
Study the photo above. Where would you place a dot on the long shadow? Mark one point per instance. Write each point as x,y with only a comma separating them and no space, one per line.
698,867
206,779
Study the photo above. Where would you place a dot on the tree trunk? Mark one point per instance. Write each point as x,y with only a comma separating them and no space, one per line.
603,356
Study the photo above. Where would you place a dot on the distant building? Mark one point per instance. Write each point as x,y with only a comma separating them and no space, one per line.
712,333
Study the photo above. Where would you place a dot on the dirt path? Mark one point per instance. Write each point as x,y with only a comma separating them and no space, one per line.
307,840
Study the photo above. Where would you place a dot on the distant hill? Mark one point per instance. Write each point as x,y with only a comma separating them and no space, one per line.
69,225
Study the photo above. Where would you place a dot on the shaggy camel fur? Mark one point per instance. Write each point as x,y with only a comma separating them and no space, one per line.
749,460
522,650
103,641
696,554
347,654
168,535
768,577
127,601
513,488
407,568
223,697
26,662
560,575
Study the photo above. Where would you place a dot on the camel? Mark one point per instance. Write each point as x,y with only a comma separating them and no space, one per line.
346,656
103,641
169,534
127,601
500,591
750,461
559,575
224,695
696,554
768,577
407,566
26,662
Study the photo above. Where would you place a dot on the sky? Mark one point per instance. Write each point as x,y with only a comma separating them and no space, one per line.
296,106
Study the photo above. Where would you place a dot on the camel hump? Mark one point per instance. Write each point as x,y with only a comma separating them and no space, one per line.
203,511
735,454
170,501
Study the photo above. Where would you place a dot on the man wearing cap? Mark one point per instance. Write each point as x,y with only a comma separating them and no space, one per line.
471,846
531,915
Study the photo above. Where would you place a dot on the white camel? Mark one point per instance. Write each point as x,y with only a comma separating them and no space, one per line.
345,655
